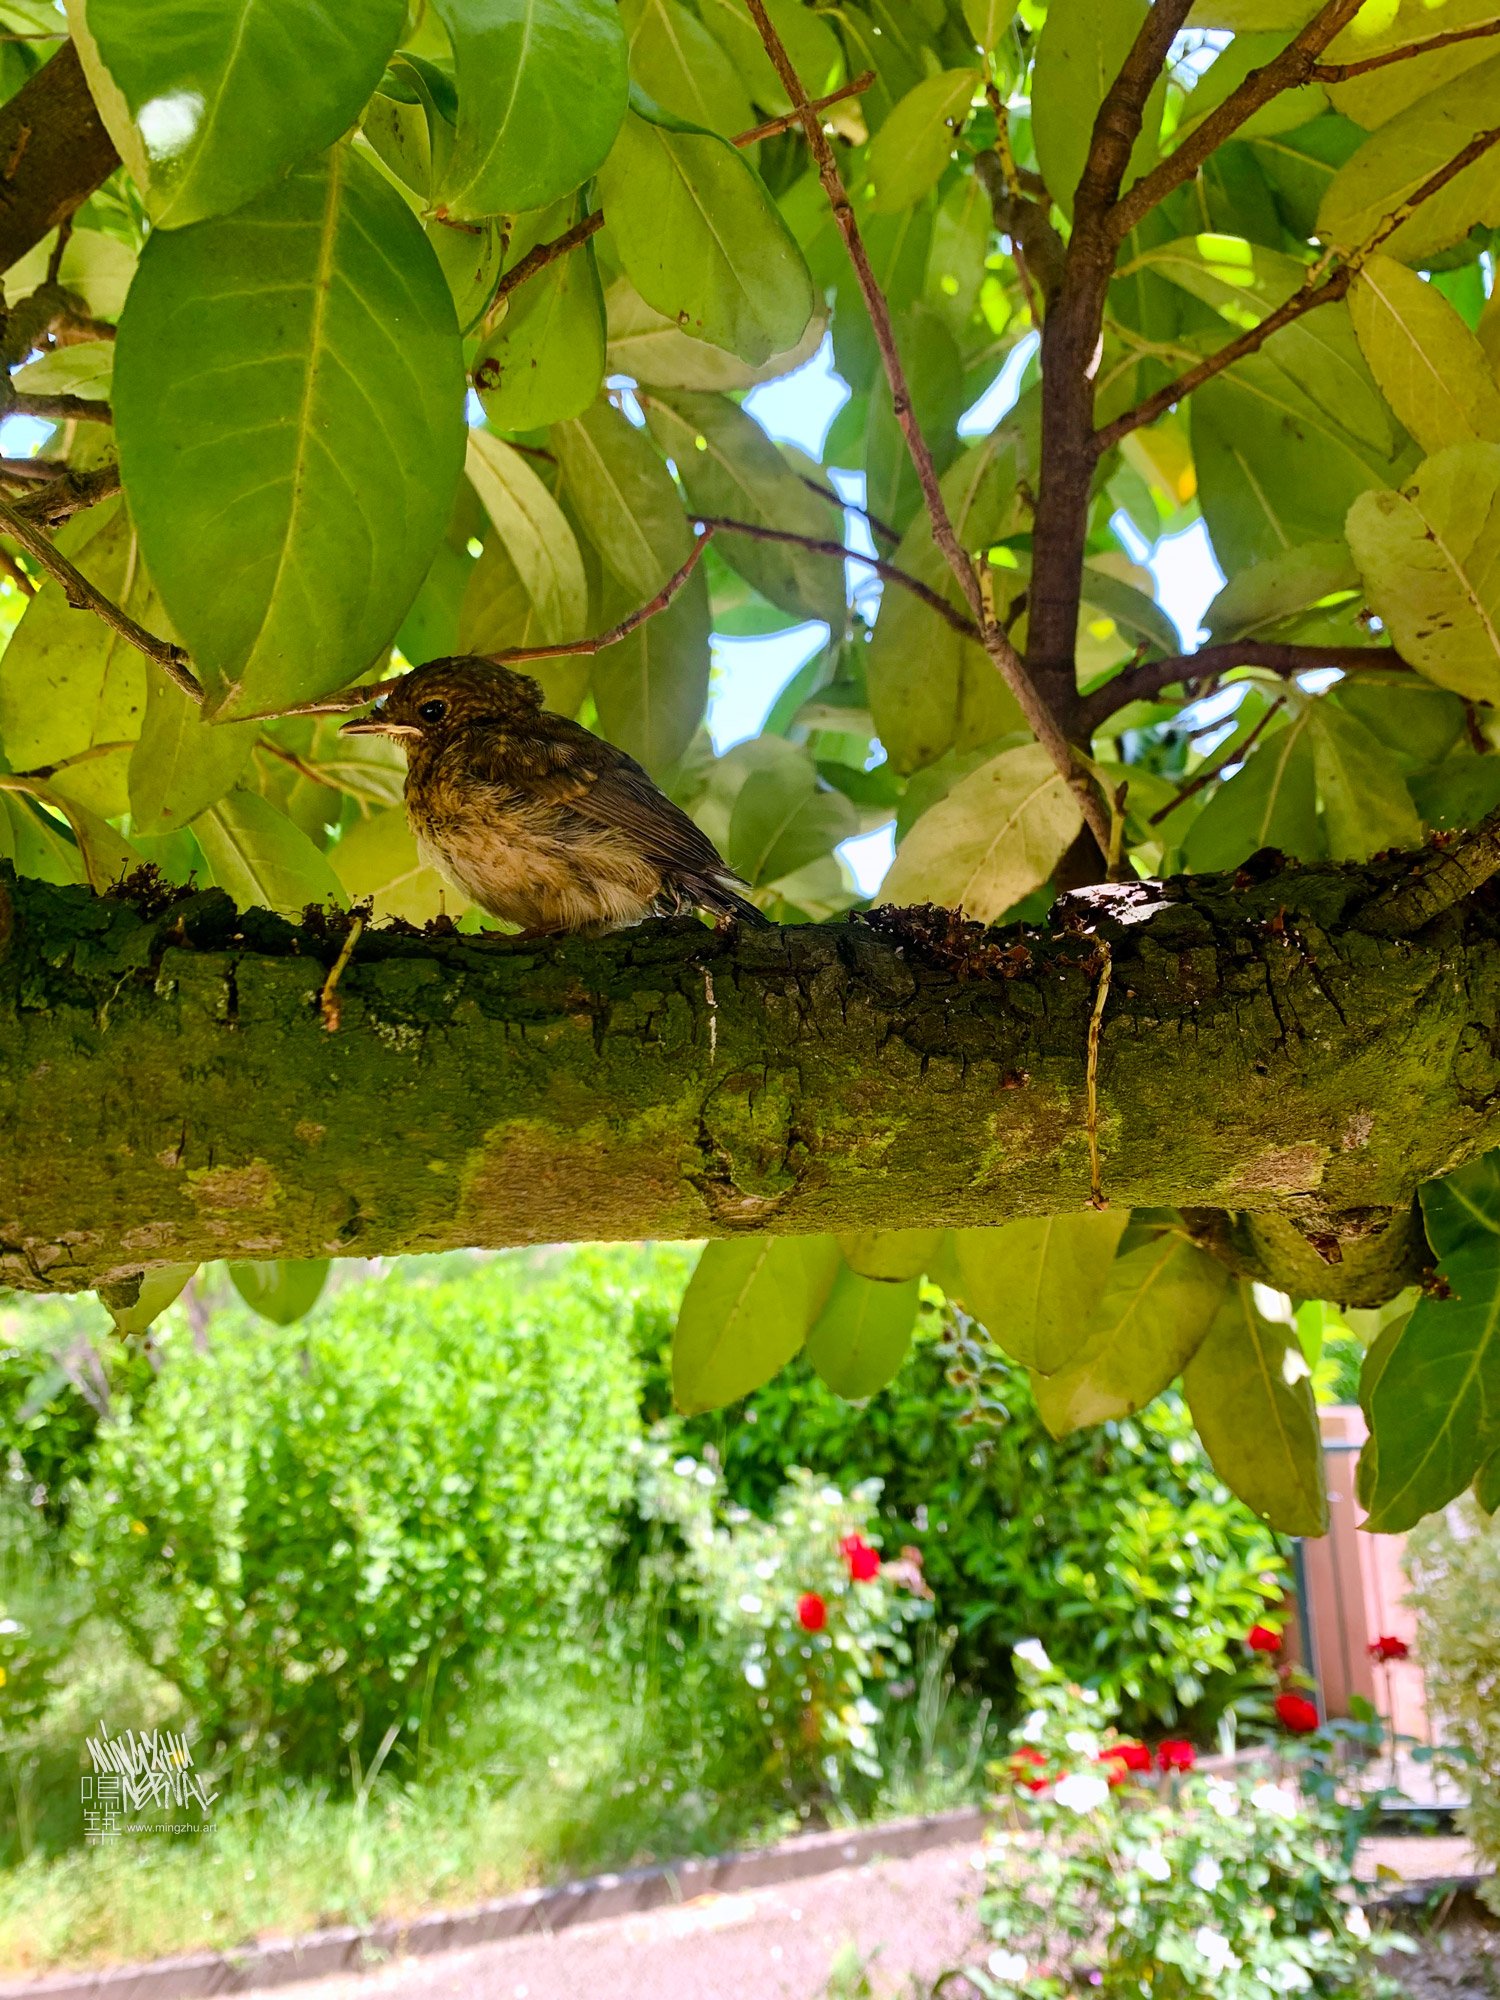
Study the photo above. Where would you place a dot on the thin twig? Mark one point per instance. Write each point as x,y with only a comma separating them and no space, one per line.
68,495
28,471
755,531
1450,37
1235,754
574,648
83,596
18,576
1142,682
94,750
1039,717
1096,1023
59,409
300,765
860,84
328,1000
871,521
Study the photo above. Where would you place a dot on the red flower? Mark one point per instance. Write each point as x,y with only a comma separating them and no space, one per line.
1386,1648
1123,1758
1029,1758
1176,1754
812,1612
863,1561
1297,1713
1261,1639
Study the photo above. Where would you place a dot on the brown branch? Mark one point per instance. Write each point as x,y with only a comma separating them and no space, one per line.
59,409
18,576
574,648
840,552
94,750
857,88
83,596
836,499
68,495
1235,754
28,471
1152,676
1450,37
1040,718
1286,71
55,152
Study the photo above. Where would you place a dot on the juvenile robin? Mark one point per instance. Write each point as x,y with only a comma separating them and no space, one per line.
534,818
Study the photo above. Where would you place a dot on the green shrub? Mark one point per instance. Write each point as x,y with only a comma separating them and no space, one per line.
1454,1563
1120,1547
62,1365
314,1530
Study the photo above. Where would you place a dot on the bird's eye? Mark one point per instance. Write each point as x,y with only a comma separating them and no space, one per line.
433,711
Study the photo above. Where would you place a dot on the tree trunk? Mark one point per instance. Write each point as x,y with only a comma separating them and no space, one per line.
1304,1046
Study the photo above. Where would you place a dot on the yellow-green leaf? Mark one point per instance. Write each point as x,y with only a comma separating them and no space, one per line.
1432,369
997,836
746,1312
1037,1283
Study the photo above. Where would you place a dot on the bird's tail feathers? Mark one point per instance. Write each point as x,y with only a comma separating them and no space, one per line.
715,894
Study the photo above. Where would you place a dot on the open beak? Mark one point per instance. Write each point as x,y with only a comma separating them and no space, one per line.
376,724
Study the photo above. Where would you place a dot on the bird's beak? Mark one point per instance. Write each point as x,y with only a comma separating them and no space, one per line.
375,724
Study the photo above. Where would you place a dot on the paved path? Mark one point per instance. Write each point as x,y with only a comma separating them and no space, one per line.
769,1944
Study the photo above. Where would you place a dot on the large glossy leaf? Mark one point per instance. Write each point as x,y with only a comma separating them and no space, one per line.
1271,801
809,40
1283,587
1430,558
1432,369
746,1312
1366,806
68,682
860,1338
1432,1387
651,689
783,819
624,497
685,69
1160,1301
377,862
913,147
182,763
546,361
210,103
538,545
650,348
1250,1392
1078,57
260,859
1380,95
280,1289
289,401
892,1253
1037,1283
732,470
997,836
542,87
703,242
1396,160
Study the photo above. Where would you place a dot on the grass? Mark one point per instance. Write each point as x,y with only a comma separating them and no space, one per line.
559,1772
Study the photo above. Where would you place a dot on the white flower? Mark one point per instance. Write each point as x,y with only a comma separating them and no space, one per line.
8,1625
1207,1874
704,1475
1293,1978
1214,1946
1082,1742
1034,1728
685,1467
1082,1792
765,1570
867,1712
1154,1865
1357,1923
1223,1799
755,1674
1010,1966
1276,1800
1032,1653
750,1604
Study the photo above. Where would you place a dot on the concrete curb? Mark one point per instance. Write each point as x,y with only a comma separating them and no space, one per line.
283,1961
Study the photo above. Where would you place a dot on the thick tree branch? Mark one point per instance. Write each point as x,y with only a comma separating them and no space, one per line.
1286,71
1148,680
1264,1048
54,151
1041,717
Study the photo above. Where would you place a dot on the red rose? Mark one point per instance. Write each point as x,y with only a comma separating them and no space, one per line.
812,1612
1027,1758
1261,1639
863,1561
1123,1758
1297,1713
1387,1648
1176,1754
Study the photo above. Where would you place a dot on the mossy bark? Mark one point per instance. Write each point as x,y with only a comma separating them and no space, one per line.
1272,1046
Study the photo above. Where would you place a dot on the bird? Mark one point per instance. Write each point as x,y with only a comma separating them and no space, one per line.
536,819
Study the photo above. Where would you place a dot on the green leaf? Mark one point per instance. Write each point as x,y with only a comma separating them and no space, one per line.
67,680
1249,1389
546,362
1282,587
82,368
1376,98
910,153
746,1312
280,1289
782,820
39,845
731,469
104,856
684,68
160,1286
1487,1484
651,689
1396,160
1140,617
808,38
1271,801
1366,806
1158,1304
1079,55
624,498
702,240
290,459
1432,369
860,1338
542,88
261,860
377,861
541,552
987,20
654,350
209,105
1037,1283
182,763
1430,559
1434,1401
891,1254
997,836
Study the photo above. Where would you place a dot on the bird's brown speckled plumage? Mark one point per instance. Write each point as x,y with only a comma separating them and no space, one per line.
535,819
